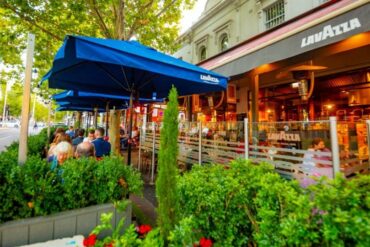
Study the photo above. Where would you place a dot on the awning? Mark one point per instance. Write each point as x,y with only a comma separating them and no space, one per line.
246,57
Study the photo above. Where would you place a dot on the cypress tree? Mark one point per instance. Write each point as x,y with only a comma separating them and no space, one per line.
167,168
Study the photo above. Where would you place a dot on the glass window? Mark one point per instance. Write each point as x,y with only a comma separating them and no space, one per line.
274,14
202,53
224,42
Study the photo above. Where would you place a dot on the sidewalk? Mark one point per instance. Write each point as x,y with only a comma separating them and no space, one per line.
146,204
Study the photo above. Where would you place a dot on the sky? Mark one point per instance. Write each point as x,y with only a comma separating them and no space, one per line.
189,17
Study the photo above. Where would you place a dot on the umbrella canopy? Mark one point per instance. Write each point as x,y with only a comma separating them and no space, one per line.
69,107
96,99
91,106
125,68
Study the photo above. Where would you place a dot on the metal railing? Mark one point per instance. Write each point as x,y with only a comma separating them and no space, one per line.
285,145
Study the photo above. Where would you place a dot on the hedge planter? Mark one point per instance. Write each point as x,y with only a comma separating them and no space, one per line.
65,224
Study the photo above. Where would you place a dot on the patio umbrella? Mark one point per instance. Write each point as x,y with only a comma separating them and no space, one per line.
126,68
99,100
78,108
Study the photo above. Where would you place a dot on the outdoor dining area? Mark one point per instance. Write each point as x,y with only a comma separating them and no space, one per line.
228,171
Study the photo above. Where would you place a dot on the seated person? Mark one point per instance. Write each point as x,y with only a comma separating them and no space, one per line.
79,138
135,135
85,149
60,137
62,152
102,147
71,132
311,159
123,138
90,137
311,162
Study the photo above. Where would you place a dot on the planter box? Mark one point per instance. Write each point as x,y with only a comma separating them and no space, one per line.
60,225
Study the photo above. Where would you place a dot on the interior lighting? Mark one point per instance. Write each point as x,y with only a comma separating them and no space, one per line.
295,84
329,106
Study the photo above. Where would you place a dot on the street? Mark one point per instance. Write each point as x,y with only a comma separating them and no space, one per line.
9,135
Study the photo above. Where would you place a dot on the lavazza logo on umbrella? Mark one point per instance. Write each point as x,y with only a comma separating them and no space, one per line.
209,79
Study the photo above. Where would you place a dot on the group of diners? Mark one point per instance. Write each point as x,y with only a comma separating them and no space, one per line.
73,144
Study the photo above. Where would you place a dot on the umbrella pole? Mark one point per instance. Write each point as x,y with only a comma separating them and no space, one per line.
106,118
88,121
95,117
131,107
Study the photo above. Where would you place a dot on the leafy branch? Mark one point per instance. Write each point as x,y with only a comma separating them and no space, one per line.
29,20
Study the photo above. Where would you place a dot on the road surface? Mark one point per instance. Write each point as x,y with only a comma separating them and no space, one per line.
9,135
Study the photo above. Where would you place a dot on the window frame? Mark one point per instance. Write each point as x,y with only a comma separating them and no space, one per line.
274,14
202,49
221,40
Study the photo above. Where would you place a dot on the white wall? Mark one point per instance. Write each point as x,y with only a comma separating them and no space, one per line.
240,19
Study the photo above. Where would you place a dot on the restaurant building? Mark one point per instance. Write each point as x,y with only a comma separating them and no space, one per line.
309,67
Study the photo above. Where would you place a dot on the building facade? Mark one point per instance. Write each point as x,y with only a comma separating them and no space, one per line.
226,23
287,60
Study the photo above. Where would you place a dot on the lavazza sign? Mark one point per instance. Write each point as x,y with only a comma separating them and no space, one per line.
283,136
330,31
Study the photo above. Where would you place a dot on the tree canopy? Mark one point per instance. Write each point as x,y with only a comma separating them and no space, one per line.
152,22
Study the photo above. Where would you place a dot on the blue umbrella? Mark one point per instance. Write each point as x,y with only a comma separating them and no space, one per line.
87,99
126,68
97,99
69,107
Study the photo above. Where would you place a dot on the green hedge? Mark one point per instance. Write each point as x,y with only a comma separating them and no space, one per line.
33,189
244,204
250,205
35,144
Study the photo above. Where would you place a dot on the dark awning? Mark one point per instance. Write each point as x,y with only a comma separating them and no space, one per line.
331,31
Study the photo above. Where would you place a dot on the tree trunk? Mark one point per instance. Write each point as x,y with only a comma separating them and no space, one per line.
78,120
114,137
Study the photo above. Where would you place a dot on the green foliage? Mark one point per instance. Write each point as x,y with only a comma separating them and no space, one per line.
34,190
184,234
127,239
10,186
154,23
83,180
35,144
40,186
167,168
252,205
342,211
244,204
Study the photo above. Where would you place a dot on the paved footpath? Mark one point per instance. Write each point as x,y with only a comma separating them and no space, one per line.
147,204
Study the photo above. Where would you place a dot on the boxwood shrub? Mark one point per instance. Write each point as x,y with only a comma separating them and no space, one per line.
33,189
248,205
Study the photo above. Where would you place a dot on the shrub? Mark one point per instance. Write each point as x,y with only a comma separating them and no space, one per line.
245,204
10,186
342,211
35,144
167,168
251,205
34,190
87,181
